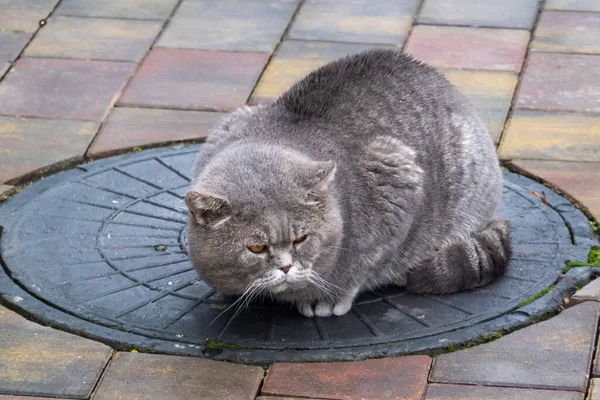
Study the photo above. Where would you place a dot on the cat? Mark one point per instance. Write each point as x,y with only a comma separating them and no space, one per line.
373,170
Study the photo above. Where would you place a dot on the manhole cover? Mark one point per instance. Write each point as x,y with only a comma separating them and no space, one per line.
101,250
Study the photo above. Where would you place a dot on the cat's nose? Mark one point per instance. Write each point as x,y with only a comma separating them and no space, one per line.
285,269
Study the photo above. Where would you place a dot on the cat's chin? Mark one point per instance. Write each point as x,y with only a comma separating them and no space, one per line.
287,287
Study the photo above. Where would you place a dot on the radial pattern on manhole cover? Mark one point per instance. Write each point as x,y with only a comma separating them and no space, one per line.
101,250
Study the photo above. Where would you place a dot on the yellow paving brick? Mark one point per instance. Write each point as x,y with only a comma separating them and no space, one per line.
296,59
552,136
490,92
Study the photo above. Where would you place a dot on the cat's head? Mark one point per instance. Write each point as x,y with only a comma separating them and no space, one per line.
264,219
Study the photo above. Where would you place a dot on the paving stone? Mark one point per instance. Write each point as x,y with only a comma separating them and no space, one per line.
26,145
94,38
40,361
378,21
24,15
464,392
567,32
574,5
594,390
490,92
194,79
2,397
562,82
490,13
240,25
590,292
389,378
444,46
70,89
296,59
581,180
132,9
554,354
11,44
551,136
151,376
130,127
276,398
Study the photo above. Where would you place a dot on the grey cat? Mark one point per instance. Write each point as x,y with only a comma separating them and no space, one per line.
372,170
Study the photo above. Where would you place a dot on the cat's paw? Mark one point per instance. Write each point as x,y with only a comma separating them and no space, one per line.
342,307
324,309
306,309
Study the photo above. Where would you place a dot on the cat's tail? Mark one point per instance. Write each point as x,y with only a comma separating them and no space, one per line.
464,265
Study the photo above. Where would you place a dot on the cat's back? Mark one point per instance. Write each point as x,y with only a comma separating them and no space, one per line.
367,83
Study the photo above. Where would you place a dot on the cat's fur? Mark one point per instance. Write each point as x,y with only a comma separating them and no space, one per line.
378,160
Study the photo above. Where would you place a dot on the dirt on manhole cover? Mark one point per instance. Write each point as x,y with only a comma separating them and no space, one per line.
101,250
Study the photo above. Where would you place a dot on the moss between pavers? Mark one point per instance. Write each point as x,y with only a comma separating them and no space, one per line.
593,260
536,296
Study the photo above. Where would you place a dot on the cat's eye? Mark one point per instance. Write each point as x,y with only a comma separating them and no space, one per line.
300,239
257,249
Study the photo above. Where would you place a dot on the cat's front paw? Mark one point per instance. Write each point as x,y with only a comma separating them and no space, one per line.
325,308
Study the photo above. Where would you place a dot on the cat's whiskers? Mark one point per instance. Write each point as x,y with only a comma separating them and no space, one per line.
255,288
238,300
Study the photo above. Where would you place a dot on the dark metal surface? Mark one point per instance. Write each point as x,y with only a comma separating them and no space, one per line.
101,250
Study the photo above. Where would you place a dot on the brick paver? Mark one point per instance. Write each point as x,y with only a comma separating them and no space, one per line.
40,361
384,379
94,38
444,46
590,292
27,145
567,32
489,13
552,136
11,44
24,15
194,79
132,127
134,9
376,21
465,392
563,82
594,391
69,89
240,25
160,377
553,354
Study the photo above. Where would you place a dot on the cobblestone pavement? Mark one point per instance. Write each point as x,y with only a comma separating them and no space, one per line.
83,79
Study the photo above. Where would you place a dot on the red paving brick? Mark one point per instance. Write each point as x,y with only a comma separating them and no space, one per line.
194,79
383,379
560,82
162,377
446,46
131,127
69,89
94,38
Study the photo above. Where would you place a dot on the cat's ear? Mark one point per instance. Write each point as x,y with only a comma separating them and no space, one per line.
207,208
321,175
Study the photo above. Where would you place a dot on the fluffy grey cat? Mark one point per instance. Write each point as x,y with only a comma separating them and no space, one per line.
372,170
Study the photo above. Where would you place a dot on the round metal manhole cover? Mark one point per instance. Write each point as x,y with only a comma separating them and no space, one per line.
101,250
